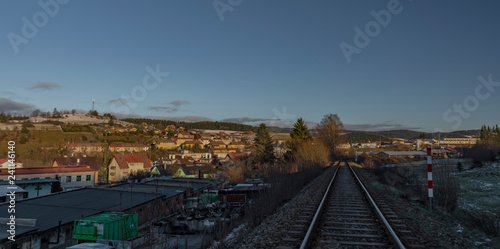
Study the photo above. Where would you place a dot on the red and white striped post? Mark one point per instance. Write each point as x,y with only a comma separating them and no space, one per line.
429,176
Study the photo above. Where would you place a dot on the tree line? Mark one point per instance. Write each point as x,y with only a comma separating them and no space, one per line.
204,125
304,150
490,134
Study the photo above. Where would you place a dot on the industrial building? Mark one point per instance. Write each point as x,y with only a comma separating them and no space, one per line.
47,221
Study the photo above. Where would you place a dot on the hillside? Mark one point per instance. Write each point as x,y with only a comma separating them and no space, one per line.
363,137
203,125
79,119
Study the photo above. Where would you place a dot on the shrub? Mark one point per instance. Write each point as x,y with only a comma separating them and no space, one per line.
446,187
488,223
23,139
311,153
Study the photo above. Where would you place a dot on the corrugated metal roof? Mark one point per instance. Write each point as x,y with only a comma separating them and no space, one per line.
31,181
72,205
168,191
4,190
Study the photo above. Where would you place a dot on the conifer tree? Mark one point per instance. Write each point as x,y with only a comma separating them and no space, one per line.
264,150
300,131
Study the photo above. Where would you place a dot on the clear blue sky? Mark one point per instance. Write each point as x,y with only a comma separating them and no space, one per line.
263,57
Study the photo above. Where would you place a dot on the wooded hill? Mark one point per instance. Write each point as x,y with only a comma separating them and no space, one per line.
203,125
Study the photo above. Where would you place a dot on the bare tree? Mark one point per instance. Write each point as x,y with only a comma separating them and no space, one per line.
331,132
36,113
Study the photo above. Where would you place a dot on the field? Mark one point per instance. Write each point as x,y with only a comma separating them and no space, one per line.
480,189
477,191
280,136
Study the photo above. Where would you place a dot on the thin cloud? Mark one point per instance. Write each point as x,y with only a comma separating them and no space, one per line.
7,105
44,86
118,100
8,94
178,103
166,109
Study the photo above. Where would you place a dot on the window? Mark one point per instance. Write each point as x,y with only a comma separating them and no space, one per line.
68,178
78,178
87,178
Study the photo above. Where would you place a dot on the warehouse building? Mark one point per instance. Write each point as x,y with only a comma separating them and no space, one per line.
47,221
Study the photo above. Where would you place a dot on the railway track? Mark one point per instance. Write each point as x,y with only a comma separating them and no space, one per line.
344,215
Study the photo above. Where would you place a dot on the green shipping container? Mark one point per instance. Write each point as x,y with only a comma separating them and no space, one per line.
108,226
208,198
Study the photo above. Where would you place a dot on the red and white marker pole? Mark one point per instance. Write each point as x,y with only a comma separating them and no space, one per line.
429,176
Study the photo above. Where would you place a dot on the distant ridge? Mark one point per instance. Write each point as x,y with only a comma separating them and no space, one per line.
409,134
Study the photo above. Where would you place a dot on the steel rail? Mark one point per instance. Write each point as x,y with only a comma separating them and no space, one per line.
307,239
386,224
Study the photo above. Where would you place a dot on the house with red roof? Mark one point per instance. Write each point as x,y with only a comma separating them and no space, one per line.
122,165
78,161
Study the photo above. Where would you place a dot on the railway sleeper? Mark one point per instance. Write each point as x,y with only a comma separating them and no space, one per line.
347,218
350,223
353,243
348,215
353,235
352,229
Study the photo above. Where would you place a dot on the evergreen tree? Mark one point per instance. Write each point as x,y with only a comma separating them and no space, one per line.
300,131
264,150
